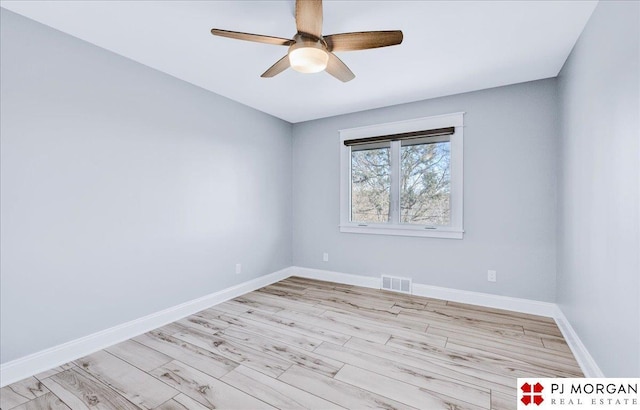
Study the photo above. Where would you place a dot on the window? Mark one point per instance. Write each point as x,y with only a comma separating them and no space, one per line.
403,178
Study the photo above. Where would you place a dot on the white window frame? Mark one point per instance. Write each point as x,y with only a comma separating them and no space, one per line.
455,229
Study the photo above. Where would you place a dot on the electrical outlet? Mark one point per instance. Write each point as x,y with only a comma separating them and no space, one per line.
238,268
492,276
325,257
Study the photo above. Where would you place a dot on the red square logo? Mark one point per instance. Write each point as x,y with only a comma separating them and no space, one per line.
532,394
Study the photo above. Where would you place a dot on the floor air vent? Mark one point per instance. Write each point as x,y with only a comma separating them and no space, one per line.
396,284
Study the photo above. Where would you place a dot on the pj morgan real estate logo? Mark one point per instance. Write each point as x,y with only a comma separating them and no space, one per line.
569,394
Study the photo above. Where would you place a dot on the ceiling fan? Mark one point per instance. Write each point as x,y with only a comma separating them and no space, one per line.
310,51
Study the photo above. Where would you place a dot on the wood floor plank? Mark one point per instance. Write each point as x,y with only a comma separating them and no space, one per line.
47,401
10,398
528,354
351,299
515,362
174,405
239,353
288,286
322,284
132,383
301,327
543,328
188,402
278,291
28,389
394,298
248,324
503,401
273,391
431,381
557,345
501,312
233,308
409,323
252,304
533,347
218,319
139,355
201,322
454,369
478,358
461,327
207,390
353,304
427,301
306,283
169,329
500,317
388,326
338,392
387,319
405,303
291,354
440,314
376,314
81,391
281,335
284,303
400,391
533,333
328,323
55,370
483,336
204,360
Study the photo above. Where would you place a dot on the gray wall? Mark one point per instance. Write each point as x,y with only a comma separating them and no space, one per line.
509,197
598,225
125,191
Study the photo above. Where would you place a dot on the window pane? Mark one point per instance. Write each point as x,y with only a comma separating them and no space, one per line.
425,195
370,185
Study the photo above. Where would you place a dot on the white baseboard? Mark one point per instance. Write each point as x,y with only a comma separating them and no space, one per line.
35,363
337,277
533,307
588,365
585,360
30,365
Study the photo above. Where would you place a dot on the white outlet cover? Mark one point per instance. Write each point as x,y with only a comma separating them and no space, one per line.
325,257
492,276
238,268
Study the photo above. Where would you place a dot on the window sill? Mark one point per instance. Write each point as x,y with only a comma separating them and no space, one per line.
398,230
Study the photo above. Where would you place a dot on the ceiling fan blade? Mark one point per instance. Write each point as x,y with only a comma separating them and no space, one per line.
363,40
258,38
338,69
309,17
277,68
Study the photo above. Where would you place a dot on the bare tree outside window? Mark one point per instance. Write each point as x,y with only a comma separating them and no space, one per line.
425,186
370,185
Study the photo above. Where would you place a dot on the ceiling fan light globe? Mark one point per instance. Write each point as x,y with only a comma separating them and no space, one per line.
308,59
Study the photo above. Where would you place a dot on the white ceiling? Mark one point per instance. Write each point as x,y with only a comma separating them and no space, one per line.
449,47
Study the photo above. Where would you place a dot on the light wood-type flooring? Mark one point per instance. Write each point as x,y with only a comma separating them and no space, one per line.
306,344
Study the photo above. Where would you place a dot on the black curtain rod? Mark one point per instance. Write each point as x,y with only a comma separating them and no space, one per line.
402,136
